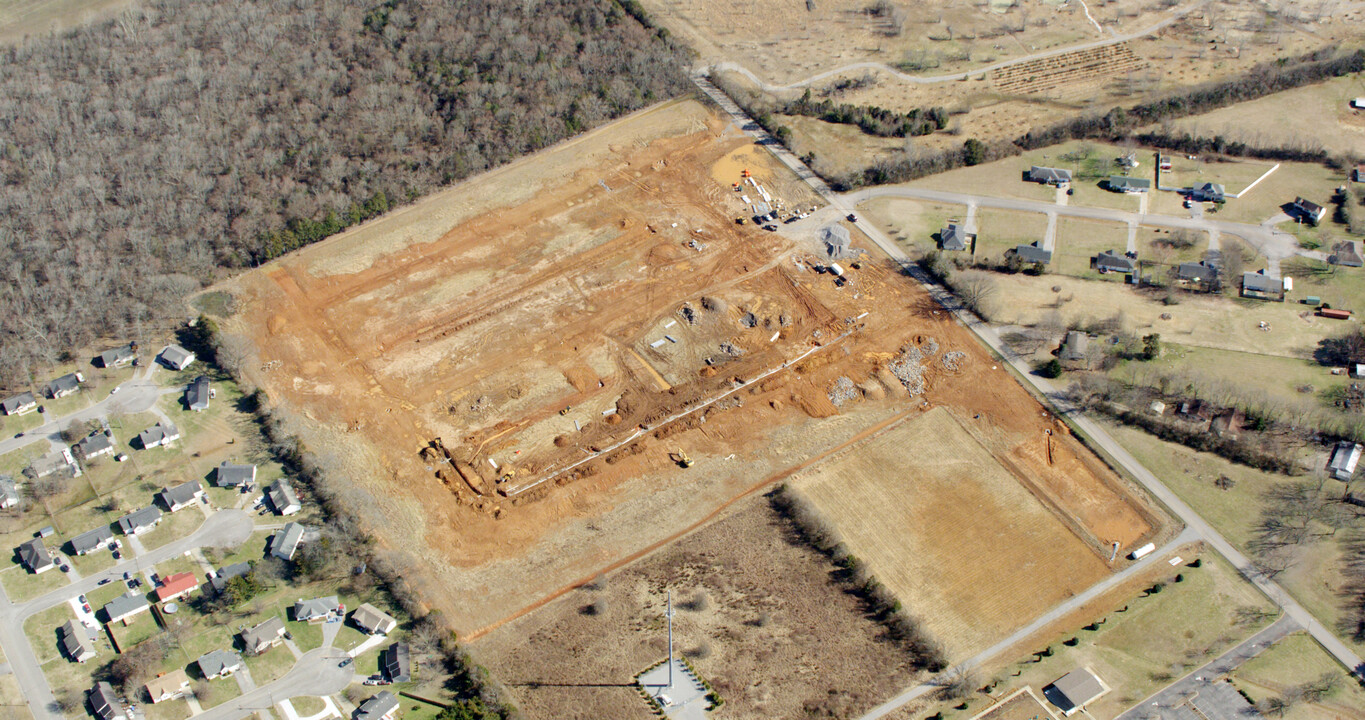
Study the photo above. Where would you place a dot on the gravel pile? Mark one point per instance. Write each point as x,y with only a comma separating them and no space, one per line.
842,391
748,320
929,347
909,369
731,350
952,360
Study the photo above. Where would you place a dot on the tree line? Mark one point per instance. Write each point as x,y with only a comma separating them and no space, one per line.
145,155
871,120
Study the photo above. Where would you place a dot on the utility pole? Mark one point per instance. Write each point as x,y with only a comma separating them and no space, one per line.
669,614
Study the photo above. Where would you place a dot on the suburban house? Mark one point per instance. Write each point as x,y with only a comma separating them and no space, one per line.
282,498
175,357
1262,286
95,445
264,636
65,385
373,620
158,435
126,607
197,394
396,663
34,556
177,586
1031,253
117,357
76,642
140,521
181,496
235,475
1208,192
20,404
169,686
60,461
1125,184
9,492
954,238
317,610
1049,176
1074,690
1358,175
1307,211
285,542
92,540
1344,460
219,580
1195,272
219,663
383,706
1345,253
1110,261
1075,346
104,703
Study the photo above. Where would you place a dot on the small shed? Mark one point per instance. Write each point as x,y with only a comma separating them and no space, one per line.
1344,460
1075,346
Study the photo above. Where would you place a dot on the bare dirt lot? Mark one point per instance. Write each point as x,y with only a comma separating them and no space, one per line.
958,538
771,621
508,373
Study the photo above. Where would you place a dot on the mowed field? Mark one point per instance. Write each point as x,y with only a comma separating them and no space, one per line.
19,18
968,549
1317,115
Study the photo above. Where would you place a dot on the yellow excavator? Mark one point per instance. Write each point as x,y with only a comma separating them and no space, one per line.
681,458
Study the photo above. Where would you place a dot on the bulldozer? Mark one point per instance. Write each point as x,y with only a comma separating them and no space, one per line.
681,458
508,474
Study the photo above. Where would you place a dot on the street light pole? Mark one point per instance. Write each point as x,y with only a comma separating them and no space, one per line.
669,615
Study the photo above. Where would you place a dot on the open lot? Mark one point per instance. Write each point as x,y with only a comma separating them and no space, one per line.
1313,116
937,533
19,18
779,639
1293,661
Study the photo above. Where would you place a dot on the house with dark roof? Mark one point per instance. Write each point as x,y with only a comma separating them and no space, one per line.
219,580
172,685
181,496
177,586
34,555
317,610
20,404
158,435
219,663
1200,271
396,663
229,475
76,643
92,540
1345,254
126,607
372,620
1032,253
117,357
175,357
140,521
1261,286
1111,261
1125,184
95,445
282,498
1344,459
1307,211
285,542
1049,176
1208,192
9,492
197,394
953,238
267,635
1074,690
382,706
65,385
104,703
1075,346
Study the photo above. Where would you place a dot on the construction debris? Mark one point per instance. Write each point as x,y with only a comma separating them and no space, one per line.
842,391
952,360
909,369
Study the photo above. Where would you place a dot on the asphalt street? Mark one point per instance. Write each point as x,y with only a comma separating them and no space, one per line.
137,395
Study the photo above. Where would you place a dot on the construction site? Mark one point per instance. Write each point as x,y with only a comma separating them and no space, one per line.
542,376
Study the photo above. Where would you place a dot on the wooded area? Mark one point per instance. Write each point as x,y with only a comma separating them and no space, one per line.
143,155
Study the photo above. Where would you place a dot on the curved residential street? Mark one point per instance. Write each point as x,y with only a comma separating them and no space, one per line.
137,395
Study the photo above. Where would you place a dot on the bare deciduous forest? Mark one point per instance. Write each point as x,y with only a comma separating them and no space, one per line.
142,155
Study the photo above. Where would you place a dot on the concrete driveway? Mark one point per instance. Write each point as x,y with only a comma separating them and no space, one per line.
137,395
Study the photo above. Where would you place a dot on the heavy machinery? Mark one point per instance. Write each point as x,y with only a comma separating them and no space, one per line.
681,458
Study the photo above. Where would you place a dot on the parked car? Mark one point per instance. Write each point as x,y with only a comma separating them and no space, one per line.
103,581
82,599
346,662
86,607
64,567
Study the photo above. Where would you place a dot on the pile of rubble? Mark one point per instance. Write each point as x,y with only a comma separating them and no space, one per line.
952,360
908,368
842,391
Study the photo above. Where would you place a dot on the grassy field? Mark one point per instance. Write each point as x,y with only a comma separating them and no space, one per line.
1080,240
857,150
938,542
19,18
1315,576
1280,378
1001,230
41,631
1316,115
912,223
1295,660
